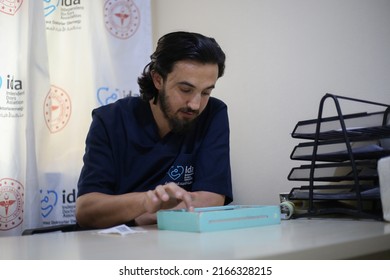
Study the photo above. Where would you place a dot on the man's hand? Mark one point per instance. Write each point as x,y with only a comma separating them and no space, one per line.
166,197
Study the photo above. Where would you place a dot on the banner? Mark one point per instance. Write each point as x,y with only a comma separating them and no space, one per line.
80,54
24,80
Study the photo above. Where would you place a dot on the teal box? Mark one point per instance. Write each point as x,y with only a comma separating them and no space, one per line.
218,218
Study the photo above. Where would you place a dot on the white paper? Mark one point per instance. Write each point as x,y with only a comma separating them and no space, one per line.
120,230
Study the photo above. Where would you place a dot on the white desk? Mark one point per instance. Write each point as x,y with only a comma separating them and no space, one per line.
292,239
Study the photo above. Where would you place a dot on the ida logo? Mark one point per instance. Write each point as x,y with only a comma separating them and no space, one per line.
107,95
10,7
57,109
50,6
12,83
11,203
121,17
175,172
48,202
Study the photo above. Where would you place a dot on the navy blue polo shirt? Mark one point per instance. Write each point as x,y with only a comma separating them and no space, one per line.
124,152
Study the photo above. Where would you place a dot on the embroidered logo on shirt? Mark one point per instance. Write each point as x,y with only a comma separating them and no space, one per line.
181,175
175,172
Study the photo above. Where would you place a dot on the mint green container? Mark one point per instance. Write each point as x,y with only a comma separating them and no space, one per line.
218,218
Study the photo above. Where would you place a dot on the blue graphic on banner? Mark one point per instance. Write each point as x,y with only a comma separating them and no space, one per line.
105,95
50,6
48,203
58,208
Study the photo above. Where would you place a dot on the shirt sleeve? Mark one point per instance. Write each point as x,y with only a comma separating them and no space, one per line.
212,170
98,172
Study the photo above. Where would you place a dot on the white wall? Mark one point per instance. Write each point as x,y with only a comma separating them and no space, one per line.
282,57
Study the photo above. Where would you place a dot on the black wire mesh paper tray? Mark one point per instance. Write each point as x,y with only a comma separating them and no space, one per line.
361,125
346,194
343,155
366,170
336,151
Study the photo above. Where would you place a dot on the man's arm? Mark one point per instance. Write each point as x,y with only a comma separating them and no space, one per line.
98,210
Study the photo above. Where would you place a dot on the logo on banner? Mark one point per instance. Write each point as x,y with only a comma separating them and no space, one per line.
10,7
58,209
11,97
11,203
57,109
121,17
58,202
50,6
48,202
68,15
105,95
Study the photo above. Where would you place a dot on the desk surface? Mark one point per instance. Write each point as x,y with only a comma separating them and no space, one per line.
292,239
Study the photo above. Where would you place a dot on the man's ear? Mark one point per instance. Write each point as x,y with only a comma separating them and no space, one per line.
157,80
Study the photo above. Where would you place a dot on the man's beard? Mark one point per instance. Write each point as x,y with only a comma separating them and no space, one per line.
177,125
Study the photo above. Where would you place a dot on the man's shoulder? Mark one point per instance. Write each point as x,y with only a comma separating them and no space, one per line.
216,110
121,106
217,102
215,105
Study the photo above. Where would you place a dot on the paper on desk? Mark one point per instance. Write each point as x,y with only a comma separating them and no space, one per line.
120,230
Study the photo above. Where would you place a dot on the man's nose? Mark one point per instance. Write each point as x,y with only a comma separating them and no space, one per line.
194,102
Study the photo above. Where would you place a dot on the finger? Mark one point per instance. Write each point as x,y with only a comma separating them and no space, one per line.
151,202
180,194
174,190
152,196
187,199
161,193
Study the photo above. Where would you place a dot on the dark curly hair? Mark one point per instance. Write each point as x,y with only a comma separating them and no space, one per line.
174,47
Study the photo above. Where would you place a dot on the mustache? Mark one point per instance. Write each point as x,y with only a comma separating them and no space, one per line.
189,110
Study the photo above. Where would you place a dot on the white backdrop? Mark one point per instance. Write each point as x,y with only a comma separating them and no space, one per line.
282,57
59,60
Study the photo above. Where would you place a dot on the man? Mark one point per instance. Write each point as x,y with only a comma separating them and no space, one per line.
168,148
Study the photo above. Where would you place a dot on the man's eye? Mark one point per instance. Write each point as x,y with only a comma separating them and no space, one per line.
206,93
186,90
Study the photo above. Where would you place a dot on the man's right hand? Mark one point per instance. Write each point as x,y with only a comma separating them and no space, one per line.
166,197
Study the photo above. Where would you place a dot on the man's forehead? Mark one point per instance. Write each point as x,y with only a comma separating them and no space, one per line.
188,71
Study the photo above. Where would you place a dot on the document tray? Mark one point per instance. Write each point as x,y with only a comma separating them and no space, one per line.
366,125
